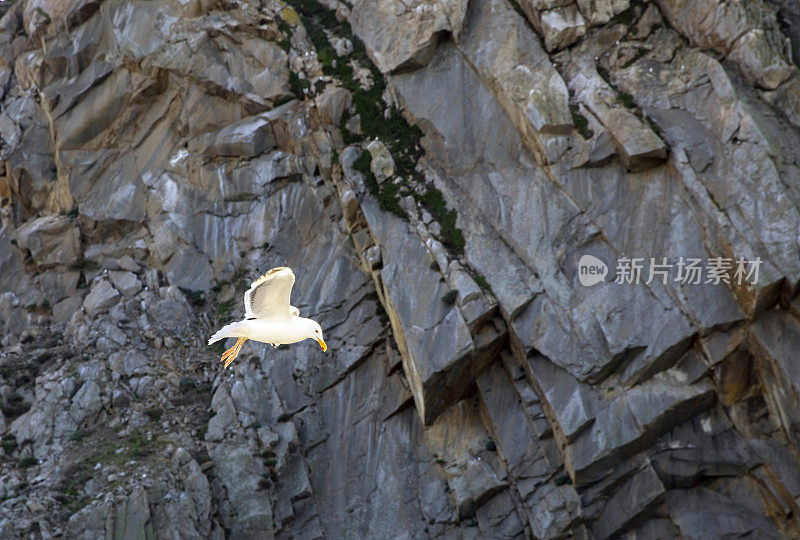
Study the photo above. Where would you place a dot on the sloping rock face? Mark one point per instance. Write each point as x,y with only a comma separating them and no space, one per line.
435,172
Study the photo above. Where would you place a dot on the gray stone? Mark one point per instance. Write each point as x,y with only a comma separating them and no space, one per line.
109,186
249,138
638,145
85,402
682,130
549,510
51,240
553,410
13,277
64,309
639,414
637,496
732,30
601,11
699,512
405,35
528,87
101,297
572,404
239,473
562,27
126,283
773,336
56,285
435,343
332,103
130,363
382,164
225,417
191,270
133,517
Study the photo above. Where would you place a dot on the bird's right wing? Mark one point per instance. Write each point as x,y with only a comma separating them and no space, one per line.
268,296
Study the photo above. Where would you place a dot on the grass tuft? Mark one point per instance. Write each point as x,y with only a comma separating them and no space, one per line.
434,202
481,281
80,435
581,123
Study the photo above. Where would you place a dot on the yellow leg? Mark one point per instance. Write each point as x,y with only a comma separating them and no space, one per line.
239,345
231,354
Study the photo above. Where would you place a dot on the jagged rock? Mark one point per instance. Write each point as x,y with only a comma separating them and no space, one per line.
788,99
51,240
548,509
190,269
129,364
382,164
637,414
342,46
133,517
601,11
540,5
56,285
332,103
101,297
529,88
434,339
699,512
85,402
522,403
629,503
638,145
12,270
404,36
64,309
225,417
249,138
772,338
562,27
759,61
126,283
238,471
573,405
733,30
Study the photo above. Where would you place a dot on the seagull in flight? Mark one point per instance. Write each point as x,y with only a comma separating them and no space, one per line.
268,316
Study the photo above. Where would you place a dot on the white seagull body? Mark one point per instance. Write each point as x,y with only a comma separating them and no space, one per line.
269,317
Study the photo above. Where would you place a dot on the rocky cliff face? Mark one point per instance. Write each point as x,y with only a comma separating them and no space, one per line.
433,170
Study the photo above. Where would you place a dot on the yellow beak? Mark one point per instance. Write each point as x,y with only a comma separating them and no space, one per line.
322,344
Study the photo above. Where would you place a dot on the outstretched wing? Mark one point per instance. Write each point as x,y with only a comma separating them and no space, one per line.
268,296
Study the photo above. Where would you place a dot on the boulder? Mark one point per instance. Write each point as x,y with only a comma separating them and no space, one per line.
190,269
382,164
249,138
562,27
125,282
51,240
101,297
404,35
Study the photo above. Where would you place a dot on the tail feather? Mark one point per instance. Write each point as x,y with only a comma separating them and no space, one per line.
229,330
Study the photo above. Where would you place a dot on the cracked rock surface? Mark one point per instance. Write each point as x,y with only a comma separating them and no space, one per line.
433,171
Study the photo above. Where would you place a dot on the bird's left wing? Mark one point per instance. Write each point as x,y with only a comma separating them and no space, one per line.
268,296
